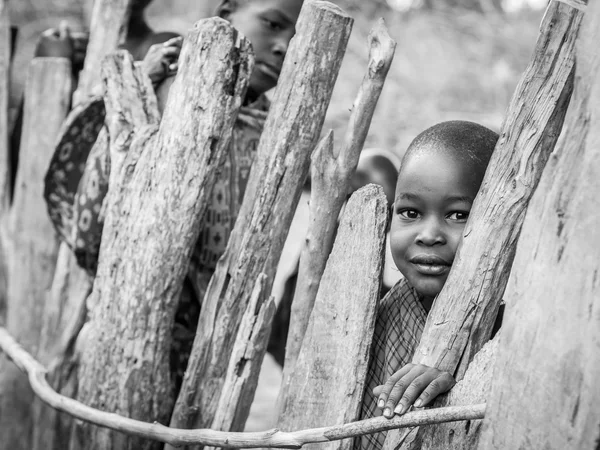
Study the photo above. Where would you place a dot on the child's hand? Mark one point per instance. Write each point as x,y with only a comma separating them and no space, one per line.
412,382
161,60
56,42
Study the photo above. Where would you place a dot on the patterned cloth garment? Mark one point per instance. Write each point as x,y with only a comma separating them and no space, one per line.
398,328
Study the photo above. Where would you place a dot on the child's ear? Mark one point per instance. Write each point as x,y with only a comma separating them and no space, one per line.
224,9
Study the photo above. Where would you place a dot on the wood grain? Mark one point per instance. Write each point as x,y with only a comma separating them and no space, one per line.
328,381
31,244
331,173
151,227
546,377
281,166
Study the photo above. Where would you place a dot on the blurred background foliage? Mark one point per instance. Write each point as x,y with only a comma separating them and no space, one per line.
455,59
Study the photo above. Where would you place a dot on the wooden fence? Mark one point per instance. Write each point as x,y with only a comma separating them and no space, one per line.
549,339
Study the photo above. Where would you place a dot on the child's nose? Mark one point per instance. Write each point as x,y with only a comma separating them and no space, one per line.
431,233
281,44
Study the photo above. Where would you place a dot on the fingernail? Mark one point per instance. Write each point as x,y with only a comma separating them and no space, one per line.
380,403
387,412
399,408
418,403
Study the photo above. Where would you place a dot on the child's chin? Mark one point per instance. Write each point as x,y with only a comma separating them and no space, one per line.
428,288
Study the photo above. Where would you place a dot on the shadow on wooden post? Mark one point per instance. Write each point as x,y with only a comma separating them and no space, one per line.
4,148
328,383
546,375
151,226
31,242
292,129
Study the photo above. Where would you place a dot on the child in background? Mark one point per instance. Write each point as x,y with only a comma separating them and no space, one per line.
269,25
439,178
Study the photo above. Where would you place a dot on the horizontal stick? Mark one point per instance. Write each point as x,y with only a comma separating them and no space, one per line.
264,439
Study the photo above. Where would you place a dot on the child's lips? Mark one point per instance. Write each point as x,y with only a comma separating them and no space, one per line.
269,70
430,264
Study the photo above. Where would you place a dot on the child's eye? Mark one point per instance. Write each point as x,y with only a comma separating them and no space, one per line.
275,26
459,216
409,214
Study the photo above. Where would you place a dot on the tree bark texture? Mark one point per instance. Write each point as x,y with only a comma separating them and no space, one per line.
327,384
283,156
546,392
152,225
31,244
246,360
465,311
108,29
4,149
331,173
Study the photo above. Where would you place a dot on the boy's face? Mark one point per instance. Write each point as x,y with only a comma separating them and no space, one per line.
434,196
269,25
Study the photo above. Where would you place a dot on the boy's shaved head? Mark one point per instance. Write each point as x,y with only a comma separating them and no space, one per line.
470,143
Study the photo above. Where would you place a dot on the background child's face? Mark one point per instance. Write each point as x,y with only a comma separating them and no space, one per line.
269,25
434,196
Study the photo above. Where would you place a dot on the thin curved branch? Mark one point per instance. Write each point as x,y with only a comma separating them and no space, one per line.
265,439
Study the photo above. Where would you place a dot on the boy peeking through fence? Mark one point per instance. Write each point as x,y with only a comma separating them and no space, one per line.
75,200
438,180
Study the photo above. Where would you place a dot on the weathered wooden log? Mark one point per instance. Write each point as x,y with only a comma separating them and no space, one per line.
177,437
65,310
328,381
64,315
246,360
331,173
4,149
32,244
108,29
150,231
465,311
545,387
291,132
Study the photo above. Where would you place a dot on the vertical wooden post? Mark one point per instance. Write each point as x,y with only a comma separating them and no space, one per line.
32,245
545,390
291,132
464,313
330,181
245,362
108,29
328,382
4,149
151,226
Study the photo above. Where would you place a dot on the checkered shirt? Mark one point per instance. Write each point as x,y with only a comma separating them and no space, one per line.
398,329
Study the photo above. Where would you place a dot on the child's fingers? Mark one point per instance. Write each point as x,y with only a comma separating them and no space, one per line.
414,389
443,383
171,51
399,390
389,385
176,41
63,29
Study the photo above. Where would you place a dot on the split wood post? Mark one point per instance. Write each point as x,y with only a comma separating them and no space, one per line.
246,360
4,148
463,315
331,173
108,29
545,392
32,245
289,136
149,234
328,382
131,102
